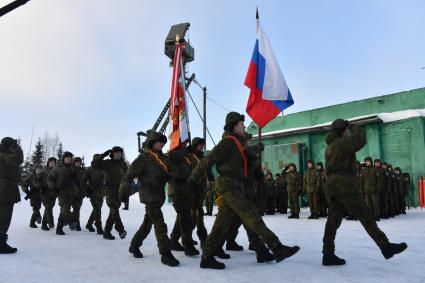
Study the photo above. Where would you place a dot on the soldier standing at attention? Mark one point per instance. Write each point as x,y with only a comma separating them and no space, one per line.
381,188
64,181
294,182
344,193
11,158
282,194
369,179
310,188
32,187
232,165
321,186
113,169
270,187
152,168
48,196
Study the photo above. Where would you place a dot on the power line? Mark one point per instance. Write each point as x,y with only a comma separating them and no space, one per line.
218,104
200,116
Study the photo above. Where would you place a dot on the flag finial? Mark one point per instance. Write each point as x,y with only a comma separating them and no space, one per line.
256,15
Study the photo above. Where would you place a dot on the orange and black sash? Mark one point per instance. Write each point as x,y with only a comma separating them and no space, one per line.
242,152
158,160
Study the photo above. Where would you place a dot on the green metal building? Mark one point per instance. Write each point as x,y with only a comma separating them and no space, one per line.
395,127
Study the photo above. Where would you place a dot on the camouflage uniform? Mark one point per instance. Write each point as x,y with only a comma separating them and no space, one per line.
295,183
282,194
368,180
232,166
93,179
321,188
153,170
271,192
209,198
310,188
77,200
342,189
181,193
384,195
11,157
48,197
398,190
64,180
404,192
113,171
33,186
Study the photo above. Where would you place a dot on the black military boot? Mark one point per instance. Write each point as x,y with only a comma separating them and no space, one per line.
108,236
4,247
38,218
190,251
51,225
390,249
296,216
136,252
211,262
32,223
77,226
99,230
330,259
125,206
90,228
59,230
123,234
233,246
72,226
250,247
169,259
291,216
264,256
312,216
282,252
221,254
44,227
176,246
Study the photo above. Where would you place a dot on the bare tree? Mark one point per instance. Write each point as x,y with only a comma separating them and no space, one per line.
50,144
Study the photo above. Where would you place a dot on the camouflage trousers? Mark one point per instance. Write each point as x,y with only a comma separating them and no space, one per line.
402,202
372,202
114,218
344,194
36,205
294,202
96,214
198,219
48,203
183,225
209,202
234,205
323,203
77,202
153,217
6,211
384,204
282,202
270,204
314,202
65,216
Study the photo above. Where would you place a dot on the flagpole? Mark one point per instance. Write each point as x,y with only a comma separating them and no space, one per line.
259,141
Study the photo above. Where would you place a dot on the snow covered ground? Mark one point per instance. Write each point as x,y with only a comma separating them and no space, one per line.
86,257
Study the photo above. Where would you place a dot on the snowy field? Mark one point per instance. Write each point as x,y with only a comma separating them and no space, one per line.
86,257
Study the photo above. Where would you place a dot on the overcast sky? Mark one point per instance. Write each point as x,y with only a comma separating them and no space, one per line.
95,73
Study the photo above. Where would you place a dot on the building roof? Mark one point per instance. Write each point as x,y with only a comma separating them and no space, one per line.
360,120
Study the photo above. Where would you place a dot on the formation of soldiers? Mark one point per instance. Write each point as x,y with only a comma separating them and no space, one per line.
243,194
384,190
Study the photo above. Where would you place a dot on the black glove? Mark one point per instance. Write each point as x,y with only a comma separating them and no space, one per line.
28,195
106,153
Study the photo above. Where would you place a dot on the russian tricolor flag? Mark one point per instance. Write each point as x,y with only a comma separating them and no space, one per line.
269,94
